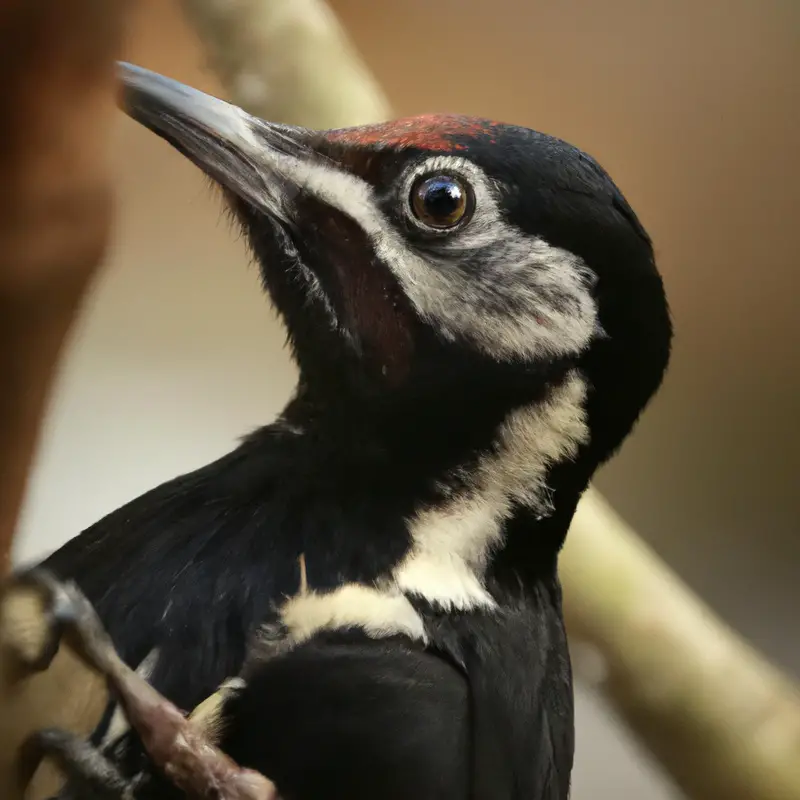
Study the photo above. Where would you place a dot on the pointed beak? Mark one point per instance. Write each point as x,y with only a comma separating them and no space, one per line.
310,220
257,161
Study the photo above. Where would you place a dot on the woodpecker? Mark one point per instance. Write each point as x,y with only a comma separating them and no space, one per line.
478,323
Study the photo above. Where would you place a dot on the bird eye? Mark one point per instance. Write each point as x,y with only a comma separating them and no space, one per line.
441,201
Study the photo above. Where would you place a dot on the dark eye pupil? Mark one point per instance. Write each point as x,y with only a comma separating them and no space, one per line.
439,201
442,197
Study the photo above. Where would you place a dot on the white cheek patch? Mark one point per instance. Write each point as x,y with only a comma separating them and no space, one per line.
510,294
513,294
531,301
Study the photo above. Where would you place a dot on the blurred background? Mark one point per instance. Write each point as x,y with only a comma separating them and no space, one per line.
694,110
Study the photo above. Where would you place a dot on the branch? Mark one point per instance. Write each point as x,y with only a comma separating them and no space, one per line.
288,61
722,720
56,102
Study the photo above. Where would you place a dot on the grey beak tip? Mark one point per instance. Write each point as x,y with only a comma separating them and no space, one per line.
132,76
146,95
125,69
134,81
220,138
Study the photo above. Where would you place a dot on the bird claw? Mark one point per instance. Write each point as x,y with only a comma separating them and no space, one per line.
177,747
64,613
33,616
90,773
39,613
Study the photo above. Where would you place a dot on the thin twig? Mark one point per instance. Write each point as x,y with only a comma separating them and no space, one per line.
288,61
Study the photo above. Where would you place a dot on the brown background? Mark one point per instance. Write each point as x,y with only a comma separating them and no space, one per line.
692,107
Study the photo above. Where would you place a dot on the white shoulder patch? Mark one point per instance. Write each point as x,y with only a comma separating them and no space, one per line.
378,612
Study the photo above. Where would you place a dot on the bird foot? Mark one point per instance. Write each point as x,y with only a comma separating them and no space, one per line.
90,775
33,614
176,746
38,613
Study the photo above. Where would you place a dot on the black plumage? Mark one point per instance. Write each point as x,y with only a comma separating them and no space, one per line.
404,408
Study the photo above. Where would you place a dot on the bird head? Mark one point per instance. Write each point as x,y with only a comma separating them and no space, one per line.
434,272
